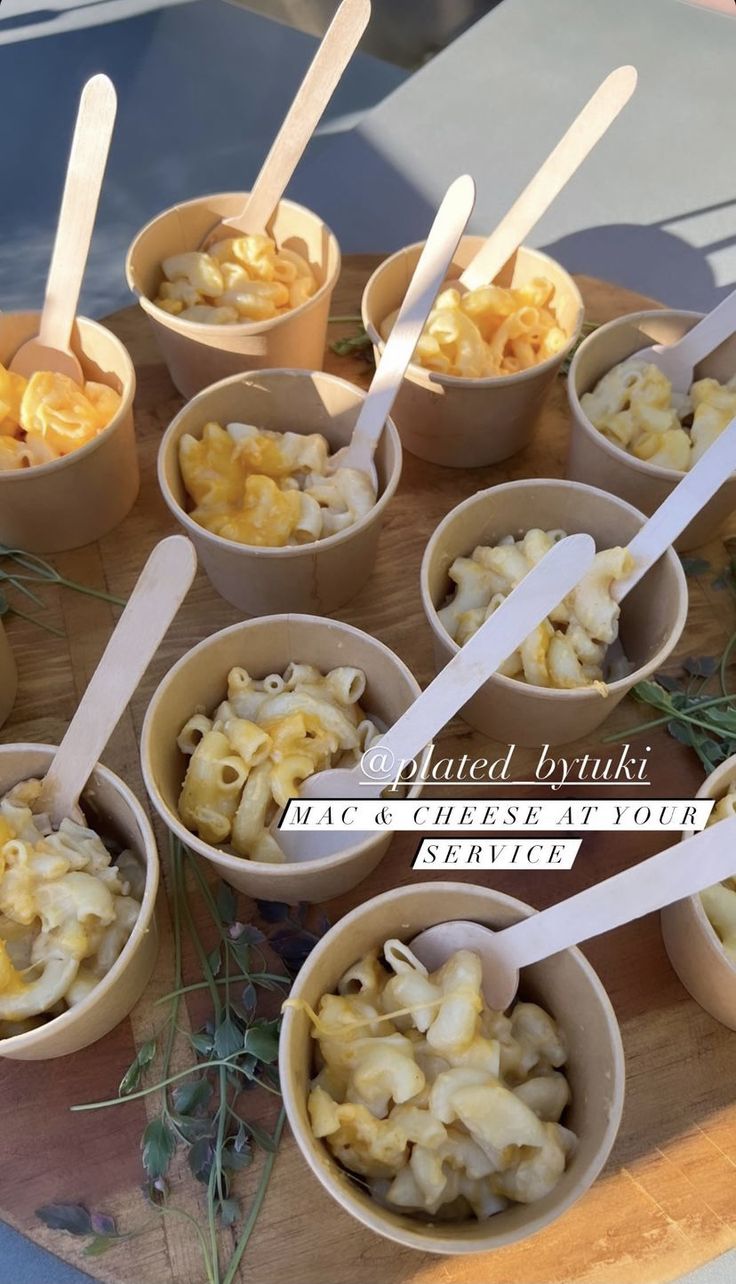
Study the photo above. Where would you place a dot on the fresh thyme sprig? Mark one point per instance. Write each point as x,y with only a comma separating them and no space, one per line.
34,570
235,1051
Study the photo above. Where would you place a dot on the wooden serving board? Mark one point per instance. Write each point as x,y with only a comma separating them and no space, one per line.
667,1200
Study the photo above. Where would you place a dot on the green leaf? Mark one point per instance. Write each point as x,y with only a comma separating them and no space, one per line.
230,1212
192,1096
263,1138
228,1038
157,1147
202,1043
132,1076
227,904
200,1159
235,1160
214,961
75,1219
262,1042
191,1128
99,1245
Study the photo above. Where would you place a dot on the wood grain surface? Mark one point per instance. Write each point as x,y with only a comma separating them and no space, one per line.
666,1201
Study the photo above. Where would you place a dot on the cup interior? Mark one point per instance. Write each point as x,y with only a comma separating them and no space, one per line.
565,985
651,614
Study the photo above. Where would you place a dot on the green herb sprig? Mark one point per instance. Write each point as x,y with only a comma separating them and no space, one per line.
34,570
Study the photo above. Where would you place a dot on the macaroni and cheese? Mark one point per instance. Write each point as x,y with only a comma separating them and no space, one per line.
488,331
440,1104
569,647
635,408
66,911
248,759
719,901
243,278
270,488
49,415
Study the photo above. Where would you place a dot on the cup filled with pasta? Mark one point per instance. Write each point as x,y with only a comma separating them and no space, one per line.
700,932
248,714
631,434
487,357
246,469
433,1120
581,661
78,938
249,301
68,462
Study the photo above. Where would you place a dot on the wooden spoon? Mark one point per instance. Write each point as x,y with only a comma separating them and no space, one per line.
429,273
337,48
51,348
670,876
678,360
157,596
538,593
586,130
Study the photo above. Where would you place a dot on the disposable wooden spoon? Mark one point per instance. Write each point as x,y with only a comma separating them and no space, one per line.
586,130
337,48
51,348
670,876
429,273
157,596
678,360
538,593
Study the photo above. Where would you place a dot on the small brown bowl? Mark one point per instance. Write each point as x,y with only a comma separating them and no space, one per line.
118,992
652,618
8,676
690,940
199,682
314,578
469,423
198,354
565,985
77,499
593,459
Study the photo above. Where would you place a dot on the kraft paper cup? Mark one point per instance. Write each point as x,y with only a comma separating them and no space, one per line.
592,458
199,683
692,944
565,985
8,676
77,499
316,578
470,423
198,354
109,799
652,616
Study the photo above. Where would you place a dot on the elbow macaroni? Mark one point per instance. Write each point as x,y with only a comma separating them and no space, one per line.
635,408
66,911
488,331
270,489
441,1105
248,759
719,901
568,648
48,416
240,279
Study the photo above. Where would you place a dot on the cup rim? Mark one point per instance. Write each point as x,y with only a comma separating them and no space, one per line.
169,442
21,475
193,329
712,787
437,1241
420,374
172,820
580,419
513,684
67,1019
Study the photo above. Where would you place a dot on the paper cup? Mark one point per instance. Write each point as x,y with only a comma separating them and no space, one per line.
652,617
78,499
316,578
469,423
198,354
199,682
114,996
692,944
565,985
8,676
592,458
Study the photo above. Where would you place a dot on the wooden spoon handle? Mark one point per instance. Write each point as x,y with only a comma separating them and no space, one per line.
337,48
84,174
538,593
588,127
681,506
670,876
705,337
157,596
